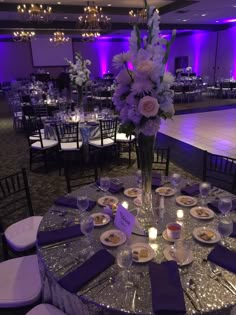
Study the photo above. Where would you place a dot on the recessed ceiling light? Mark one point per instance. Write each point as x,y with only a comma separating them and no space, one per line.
58,2
65,17
234,6
204,14
184,20
109,5
217,21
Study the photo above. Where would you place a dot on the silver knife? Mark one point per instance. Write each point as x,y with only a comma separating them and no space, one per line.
194,303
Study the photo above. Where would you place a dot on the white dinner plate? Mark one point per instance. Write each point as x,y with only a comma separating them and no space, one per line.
100,219
206,235
142,252
133,192
170,255
166,191
186,201
113,238
107,201
138,202
172,240
202,213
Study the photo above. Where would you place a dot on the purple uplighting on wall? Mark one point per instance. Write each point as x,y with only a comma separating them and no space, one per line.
197,41
230,21
233,30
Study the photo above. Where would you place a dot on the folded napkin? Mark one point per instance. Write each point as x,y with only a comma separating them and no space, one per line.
96,264
223,257
156,180
190,190
214,205
114,187
48,237
71,202
167,292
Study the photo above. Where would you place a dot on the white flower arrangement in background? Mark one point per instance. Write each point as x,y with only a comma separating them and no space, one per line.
79,73
143,95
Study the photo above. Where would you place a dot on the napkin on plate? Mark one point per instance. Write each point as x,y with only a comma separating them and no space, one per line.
72,202
92,267
156,180
214,205
167,292
190,190
114,187
48,237
223,257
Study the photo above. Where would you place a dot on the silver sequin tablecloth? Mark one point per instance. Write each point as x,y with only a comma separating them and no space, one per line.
54,264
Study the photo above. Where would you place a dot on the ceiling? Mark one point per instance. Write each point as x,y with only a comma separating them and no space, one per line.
178,14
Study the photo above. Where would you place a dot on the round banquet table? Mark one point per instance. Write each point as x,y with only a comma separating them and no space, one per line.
53,262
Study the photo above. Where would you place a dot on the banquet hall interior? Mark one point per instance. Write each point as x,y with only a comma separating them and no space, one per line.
64,136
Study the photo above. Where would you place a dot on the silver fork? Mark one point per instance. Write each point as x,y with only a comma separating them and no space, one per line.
218,273
193,287
136,279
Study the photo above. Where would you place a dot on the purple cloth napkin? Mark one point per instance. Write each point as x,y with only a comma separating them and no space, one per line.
167,292
48,237
191,190
92,123
96,264
223,257
114,187
71,202
214,205
156,180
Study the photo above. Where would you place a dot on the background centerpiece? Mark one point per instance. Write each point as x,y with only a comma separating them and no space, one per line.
143,95
79,75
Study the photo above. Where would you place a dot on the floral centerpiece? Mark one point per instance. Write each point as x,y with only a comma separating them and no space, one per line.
79,73
143,96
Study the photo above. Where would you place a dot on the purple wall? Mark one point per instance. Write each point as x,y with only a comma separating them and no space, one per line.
200,47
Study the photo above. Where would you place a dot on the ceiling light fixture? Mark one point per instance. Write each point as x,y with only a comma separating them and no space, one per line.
23,36
34,12
59,38
204,14
93,22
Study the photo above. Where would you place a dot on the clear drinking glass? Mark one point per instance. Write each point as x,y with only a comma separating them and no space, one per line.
87,227
225,228
176,180
181,251
124,261
225,205
82,203
204,189
105,183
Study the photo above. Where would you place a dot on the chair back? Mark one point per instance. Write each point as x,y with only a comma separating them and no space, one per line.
161,160
83,173
220,171
15,196
68,132
32,127
108,129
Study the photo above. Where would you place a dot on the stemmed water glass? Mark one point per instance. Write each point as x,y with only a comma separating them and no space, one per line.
204,189
87,227
105,183
176,180
124,261
82,203
181,250
225,226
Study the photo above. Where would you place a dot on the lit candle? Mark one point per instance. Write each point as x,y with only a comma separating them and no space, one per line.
180,214
125,204
152,234
154,247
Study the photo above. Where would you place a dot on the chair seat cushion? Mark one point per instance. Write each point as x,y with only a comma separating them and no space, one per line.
106,142
20,282
47,144
67,146
45,309
22,235
121,137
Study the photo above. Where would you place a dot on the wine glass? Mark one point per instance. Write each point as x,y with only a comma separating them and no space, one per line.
181,250
204,189
225,205
176,180
124,260
87,227
105,183
225,228
82,203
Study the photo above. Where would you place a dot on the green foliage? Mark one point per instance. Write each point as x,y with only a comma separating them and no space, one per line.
127,128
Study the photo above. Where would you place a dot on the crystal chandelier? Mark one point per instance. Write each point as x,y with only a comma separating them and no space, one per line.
59,38
138,16
93,22
23,36
34,12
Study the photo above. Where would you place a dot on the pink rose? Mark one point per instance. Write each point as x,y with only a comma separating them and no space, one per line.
145,67
148,106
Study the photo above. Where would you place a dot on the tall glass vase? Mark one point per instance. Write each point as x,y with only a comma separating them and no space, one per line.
145,152
80,98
